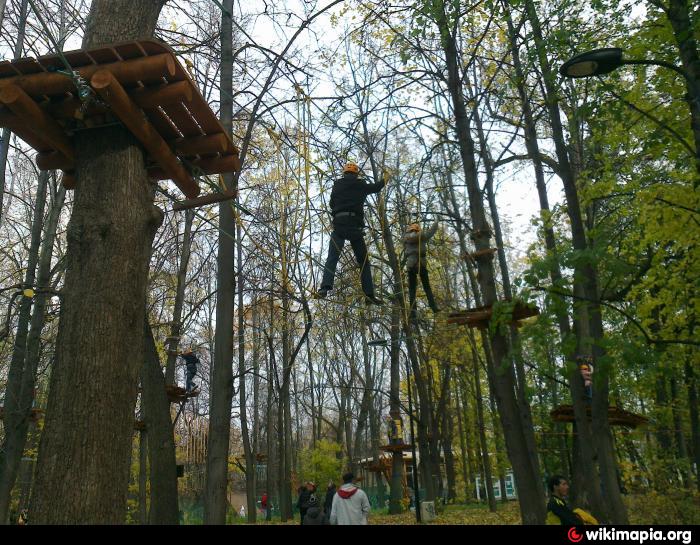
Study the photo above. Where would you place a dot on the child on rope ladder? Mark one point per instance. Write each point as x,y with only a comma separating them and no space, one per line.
347,208
416,251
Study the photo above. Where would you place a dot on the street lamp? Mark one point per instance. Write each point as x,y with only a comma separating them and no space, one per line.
605,60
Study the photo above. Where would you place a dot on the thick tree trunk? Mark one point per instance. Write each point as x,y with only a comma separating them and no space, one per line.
17,402
529,483
397,465
679,15
216,502
84,454
608,507
143,477
691,385
164,507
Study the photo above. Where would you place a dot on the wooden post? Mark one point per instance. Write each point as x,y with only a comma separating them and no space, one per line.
113,93
171,93
21,104
206,199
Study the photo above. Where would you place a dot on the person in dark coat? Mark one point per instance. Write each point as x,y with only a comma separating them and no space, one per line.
305,493
314,515
347,208
328,501
191,362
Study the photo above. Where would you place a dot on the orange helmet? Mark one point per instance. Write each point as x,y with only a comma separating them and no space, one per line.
413,227
351,167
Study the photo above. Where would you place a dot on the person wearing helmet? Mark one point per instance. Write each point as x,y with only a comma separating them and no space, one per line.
347,208
416,252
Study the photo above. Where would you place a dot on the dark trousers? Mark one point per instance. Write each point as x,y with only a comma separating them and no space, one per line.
335,247
191,372
413,273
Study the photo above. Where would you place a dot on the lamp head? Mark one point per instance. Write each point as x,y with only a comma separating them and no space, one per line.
592,63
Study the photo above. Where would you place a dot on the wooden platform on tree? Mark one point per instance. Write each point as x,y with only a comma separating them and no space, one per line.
480,317
140,84
35,416
616,416
176,394
396,448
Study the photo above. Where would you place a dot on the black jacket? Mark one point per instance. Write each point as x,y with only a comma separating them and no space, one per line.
190,360
349,194
328,501
313,516
563,511
303,501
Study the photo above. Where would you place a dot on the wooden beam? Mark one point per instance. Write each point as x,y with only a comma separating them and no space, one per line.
206,199
21,129
53,160
199,145
113,93
22,105
125,72
68,180
171,93
218,165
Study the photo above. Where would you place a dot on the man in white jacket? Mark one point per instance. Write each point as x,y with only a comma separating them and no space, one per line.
350,504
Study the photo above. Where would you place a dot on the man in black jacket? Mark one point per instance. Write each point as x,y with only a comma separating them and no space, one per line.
347,207
191,362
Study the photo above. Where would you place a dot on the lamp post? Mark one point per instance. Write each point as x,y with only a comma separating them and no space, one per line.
604,61
414,466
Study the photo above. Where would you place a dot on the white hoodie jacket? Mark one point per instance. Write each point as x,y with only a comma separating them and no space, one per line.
350,506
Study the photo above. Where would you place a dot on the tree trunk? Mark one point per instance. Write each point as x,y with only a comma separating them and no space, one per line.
164,507
143,477
176,325
19,390
530,487
608,507
691,385
6,133
216,486
679,15
84,454
250,472
481,426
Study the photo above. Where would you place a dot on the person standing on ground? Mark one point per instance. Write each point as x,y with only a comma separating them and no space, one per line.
328,501
347,208
558,511
350,504
314,515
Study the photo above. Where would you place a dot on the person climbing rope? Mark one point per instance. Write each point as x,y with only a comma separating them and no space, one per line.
416,252
191,362
347,208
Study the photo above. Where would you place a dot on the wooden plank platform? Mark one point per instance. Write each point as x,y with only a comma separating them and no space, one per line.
479,317
395,448
616,416
140,84
176,394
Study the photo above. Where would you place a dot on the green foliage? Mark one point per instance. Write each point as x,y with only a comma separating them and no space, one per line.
322,463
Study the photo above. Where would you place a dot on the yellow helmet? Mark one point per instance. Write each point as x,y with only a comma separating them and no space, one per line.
351,167
413,227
